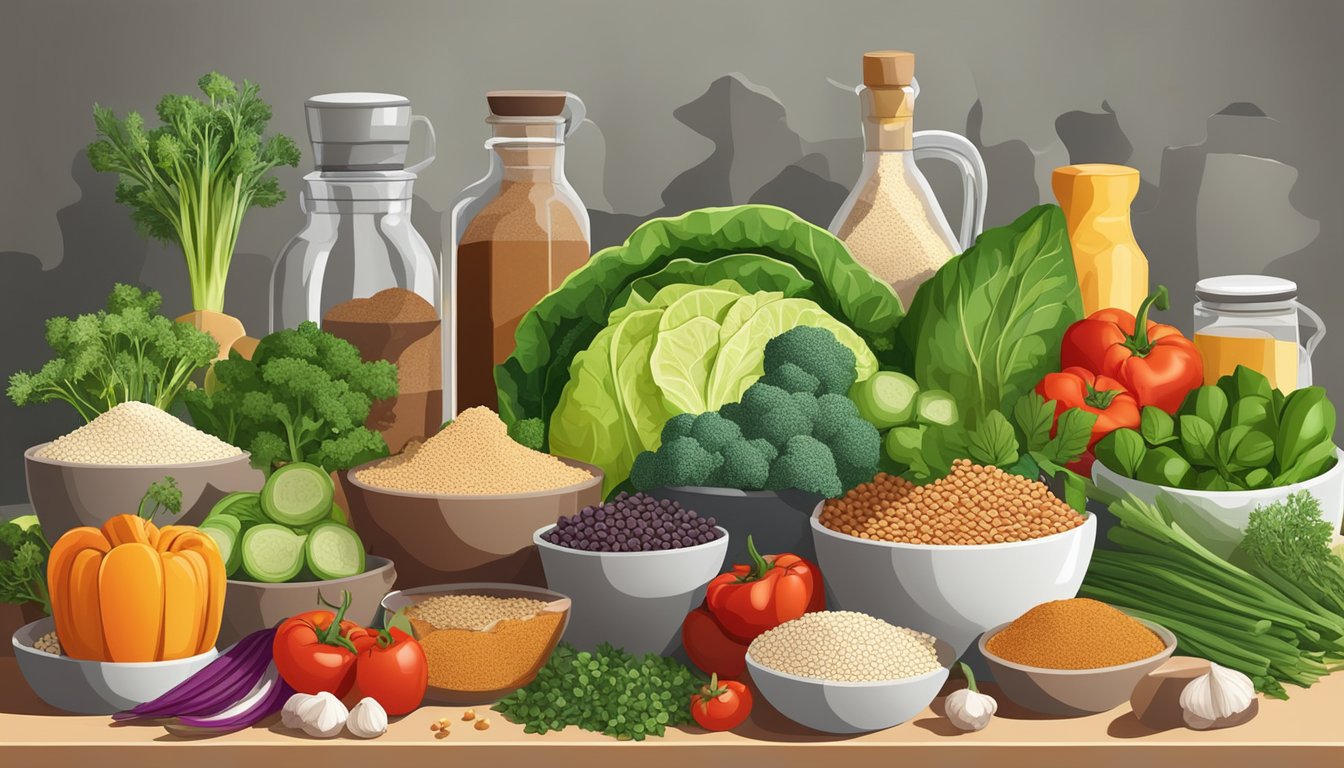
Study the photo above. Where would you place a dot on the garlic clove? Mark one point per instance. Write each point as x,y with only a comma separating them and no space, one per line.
968,710
289,715
368,719
322,716
1218,699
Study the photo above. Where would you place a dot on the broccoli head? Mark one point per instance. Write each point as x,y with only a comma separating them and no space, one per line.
817,352
807,465
746,465
681,461
714,432
678,426
768,412
790,378
833,414
857,448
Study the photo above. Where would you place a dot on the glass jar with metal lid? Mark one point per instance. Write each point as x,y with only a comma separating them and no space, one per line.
1253,320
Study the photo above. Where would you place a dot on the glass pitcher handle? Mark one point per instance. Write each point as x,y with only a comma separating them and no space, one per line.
1309,347
974,181
574,113
429,156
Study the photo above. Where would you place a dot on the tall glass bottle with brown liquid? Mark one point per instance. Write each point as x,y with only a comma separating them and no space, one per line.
520,246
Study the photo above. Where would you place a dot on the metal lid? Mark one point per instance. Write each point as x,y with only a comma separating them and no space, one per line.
359,185
357,100
1245,289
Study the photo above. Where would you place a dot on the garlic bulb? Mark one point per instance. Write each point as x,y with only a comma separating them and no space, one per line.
368,719
322,716
968,709
289,716
1213,699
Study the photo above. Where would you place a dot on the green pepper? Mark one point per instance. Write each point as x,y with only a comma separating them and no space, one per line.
1198,440
1308,419
1164,466
1245,382
1208,403
1157,426
1122,451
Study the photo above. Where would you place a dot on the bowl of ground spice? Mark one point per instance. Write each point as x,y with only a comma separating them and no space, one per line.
1074,657
952,558
462,506
481,641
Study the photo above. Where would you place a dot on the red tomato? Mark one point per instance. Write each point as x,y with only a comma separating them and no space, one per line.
709,646
315,651
721,706
393,671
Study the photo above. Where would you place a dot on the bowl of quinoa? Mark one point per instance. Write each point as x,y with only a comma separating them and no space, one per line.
462,506
848,672
481,641
952,558
103,468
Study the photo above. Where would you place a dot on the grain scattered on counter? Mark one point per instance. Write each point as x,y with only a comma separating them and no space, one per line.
845,646
137,434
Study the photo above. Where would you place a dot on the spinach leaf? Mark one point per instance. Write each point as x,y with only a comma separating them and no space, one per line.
1122,451
988,325
1197,440
1034,417
1073,431
993,443
1157,426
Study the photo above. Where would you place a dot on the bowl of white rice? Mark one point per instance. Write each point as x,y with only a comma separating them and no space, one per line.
847,672
103,468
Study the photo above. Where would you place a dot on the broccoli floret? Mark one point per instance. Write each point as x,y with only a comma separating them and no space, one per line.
816,351
528,432
769,412
681,461
807,465
833,413
746,465
678,426
790,378
807,404
713,431
857,448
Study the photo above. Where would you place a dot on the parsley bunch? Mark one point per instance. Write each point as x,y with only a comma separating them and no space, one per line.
23,563
608,691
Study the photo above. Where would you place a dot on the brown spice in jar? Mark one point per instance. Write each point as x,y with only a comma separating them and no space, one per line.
470,660
1074,634
972,505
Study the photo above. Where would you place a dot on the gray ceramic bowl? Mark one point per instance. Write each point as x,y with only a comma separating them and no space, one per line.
832,707
633,600
67,495
252,605
1073,692
776,520
437,539
97,687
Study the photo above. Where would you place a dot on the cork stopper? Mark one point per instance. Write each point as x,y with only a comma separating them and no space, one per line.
526,103
888,69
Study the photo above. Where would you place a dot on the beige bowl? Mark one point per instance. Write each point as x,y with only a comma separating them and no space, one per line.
252,605
1073,692
67,495
437,539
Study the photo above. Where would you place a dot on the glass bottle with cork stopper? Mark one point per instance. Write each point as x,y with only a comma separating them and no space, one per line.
891,221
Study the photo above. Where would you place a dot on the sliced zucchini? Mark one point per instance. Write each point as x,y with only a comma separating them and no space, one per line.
334,551
243,506
297,494
272,553
226,531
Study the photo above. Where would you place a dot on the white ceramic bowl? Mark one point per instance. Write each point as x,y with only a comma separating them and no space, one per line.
833,707
1218,519
97,687
953,592
633,600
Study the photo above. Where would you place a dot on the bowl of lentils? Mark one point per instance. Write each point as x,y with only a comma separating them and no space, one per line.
848,672
633,567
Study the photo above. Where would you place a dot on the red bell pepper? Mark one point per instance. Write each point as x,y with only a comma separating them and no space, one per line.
710,648
1154,362
751,599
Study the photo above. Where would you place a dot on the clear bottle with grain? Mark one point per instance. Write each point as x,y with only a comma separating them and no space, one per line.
891,222
1112,270
518,234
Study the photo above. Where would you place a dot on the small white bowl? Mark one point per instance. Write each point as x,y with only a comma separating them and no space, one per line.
634,600
953,592
843,707
97,687
1218,519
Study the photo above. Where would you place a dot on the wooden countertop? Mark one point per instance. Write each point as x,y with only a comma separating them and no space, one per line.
1302,732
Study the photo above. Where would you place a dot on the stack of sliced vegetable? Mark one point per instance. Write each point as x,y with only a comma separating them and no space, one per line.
290,531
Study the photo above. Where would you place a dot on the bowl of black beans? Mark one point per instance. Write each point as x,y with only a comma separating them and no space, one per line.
633,567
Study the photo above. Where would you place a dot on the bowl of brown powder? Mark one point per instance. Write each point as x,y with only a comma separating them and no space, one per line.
482,641
462,505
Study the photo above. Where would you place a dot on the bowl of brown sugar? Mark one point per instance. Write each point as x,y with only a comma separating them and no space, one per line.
482,641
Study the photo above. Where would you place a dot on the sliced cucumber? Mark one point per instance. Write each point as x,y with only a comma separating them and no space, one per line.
226,531
886,399
272,553
334,551
243,506
934,406
297,494
338,515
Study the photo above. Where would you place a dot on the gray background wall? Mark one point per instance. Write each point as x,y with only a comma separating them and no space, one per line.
1230,109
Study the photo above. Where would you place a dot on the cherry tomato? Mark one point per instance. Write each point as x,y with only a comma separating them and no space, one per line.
315,651
721,706
393,671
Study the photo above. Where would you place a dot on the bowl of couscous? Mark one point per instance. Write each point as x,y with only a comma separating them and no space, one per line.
955,557
103,469
462,506
847,672
481,641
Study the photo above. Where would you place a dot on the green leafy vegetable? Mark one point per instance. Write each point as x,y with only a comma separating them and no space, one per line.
1122,450
606,691
304,396
1035,417
1291,539
1156,426
191,180
994,442
751,242
1073,431
23,563
163,495
989,324
124,352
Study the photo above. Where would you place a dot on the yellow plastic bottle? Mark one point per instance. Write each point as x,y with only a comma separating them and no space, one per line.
1112,270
